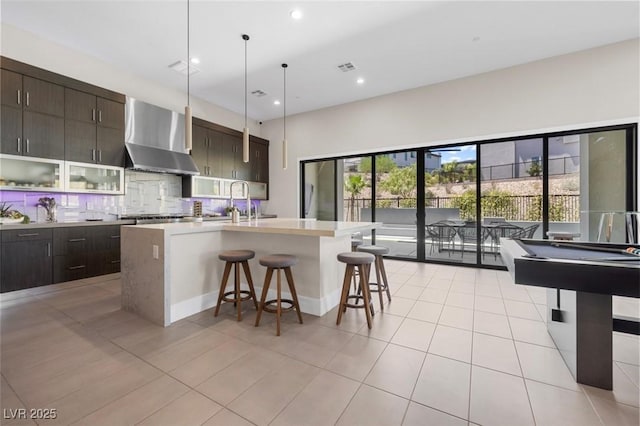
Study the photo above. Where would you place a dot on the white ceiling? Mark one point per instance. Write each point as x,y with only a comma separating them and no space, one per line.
395,45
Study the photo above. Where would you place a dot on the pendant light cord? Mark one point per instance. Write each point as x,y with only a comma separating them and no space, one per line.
245,37
284,101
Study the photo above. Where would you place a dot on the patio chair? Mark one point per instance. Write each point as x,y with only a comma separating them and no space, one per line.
469,234
526,232
501,230
441,233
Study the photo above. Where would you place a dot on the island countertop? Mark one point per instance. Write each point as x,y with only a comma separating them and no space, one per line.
172,270
287,226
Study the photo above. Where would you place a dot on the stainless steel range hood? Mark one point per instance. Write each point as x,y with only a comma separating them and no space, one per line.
154,139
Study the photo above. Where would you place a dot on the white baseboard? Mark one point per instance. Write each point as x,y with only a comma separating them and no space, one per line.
308,305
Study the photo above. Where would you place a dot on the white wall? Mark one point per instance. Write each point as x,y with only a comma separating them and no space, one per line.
594,87
32,49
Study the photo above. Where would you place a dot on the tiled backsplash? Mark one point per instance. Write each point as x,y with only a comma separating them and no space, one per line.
144,193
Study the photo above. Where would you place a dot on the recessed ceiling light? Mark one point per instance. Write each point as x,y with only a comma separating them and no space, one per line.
360,81
296,14
276,102
195,60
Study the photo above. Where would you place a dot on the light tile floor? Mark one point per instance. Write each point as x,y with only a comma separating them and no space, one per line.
456,346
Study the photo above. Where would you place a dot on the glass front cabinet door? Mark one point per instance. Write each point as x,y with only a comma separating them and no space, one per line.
31,174
94,178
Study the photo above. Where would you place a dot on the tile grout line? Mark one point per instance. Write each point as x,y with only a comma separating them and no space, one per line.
524,382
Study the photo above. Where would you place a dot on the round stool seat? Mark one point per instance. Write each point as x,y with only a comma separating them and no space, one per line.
356,258
278,260
375,250
236,255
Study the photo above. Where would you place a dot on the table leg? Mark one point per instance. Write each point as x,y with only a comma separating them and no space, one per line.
584,336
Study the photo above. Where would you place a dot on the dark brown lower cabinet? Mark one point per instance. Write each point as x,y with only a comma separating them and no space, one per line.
42,256
104,250
85,251
25,259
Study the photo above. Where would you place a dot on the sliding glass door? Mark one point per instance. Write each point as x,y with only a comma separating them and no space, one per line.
454,204
395,202
511,186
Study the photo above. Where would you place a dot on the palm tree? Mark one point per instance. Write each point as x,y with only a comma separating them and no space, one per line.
354,185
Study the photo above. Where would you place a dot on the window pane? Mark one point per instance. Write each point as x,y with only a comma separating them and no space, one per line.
450,204
587,179
319,190
511,188
354,186
396,204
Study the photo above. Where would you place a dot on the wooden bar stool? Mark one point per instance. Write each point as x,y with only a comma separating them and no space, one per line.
278,262
361,261
236,258
382,284
356,241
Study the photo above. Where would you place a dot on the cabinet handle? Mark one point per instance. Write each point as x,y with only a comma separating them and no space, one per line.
33,234
93,155
19,97
48,249
76,240
93,114
27,140
71,268
115,261
115,236
99,156
19,145
100,116
27,93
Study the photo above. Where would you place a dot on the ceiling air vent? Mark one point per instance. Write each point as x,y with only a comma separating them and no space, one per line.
259,93
181,67
346,67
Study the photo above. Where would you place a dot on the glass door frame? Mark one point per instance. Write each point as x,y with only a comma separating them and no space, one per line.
631,183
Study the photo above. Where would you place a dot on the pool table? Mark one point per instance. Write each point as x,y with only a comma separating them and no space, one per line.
581,278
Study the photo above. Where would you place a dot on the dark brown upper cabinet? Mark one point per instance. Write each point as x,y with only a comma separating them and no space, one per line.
207,145
217,151
31,117
259,161
232,165
94,129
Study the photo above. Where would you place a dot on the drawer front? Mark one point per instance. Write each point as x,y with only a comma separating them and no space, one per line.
26,235
70,241
70,267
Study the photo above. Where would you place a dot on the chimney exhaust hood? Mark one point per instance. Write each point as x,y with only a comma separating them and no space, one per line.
154,138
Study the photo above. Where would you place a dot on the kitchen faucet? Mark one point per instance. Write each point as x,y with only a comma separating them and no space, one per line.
243,182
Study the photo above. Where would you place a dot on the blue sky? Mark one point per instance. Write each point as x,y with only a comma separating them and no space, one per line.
467,152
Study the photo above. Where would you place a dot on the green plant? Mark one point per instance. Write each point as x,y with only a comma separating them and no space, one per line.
400,182
535,169
494,203
354,186
498,203
384,203
6,211
384,164
466,202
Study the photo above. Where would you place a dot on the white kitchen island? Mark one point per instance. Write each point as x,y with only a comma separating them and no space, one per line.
171,271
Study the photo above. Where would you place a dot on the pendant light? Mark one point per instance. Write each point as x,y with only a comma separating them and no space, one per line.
188,140
284,118
245,131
